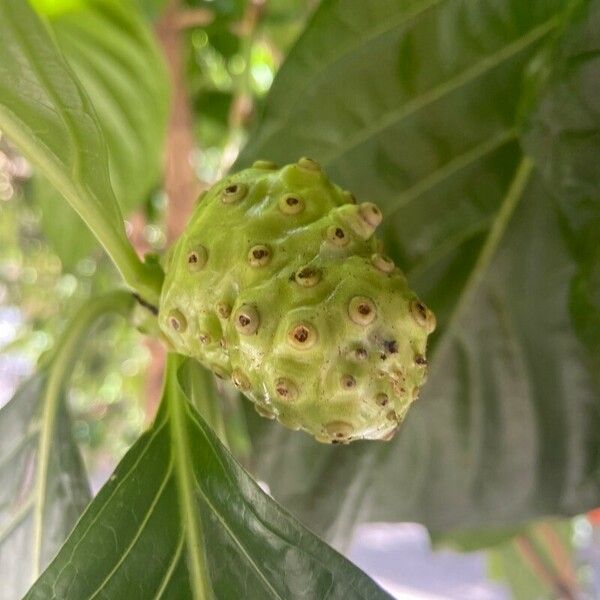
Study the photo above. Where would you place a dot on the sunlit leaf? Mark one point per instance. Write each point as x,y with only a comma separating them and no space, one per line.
46,113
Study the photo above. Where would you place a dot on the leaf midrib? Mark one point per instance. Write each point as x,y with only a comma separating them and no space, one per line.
474,72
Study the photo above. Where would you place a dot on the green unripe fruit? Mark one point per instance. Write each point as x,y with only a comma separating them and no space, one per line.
279,284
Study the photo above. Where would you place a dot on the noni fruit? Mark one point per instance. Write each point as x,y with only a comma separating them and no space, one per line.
279,284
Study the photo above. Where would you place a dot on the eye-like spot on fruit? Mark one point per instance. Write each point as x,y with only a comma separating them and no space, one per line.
302,336
223,310
339,430
370,213
361,354
422,315
196,258
420,360
309,164
286,389
291,204
362,310
247,319
204,338
348,382
259,255
390,346
381,399
234,192
349,197
177,320
240,380
384,263
308,276
392,416
264,164
337,236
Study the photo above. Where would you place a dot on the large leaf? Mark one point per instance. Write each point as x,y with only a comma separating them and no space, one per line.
45,111
415,105
114,55
563,135
43,486
180,517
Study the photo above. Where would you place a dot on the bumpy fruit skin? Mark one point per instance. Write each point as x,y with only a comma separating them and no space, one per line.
279,284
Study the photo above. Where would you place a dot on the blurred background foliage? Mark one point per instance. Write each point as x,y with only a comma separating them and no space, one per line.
226,55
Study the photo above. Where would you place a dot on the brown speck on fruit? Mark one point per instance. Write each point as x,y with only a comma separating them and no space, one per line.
307,276
234,192
362,310
247,319
337,236
420,360
224,310
422,315
361,354
177,321
390,346
286,389
240,380
259,255
196,258
392,416
381,399
348,382
291,204
302,336
339,430
204,338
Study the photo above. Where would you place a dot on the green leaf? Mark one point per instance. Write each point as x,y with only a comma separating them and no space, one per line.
58,217
416,106
179,516
43,485
46,113
114,55
562,134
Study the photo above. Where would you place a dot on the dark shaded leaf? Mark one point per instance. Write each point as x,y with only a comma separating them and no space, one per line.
417,108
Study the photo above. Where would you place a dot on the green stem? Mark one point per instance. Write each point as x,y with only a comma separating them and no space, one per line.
190,516
60,364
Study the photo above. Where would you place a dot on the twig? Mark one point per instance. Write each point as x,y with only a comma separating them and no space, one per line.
532,559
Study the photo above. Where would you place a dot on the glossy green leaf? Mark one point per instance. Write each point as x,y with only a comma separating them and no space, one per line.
416,106
114,55
47,114
180,517
43,485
